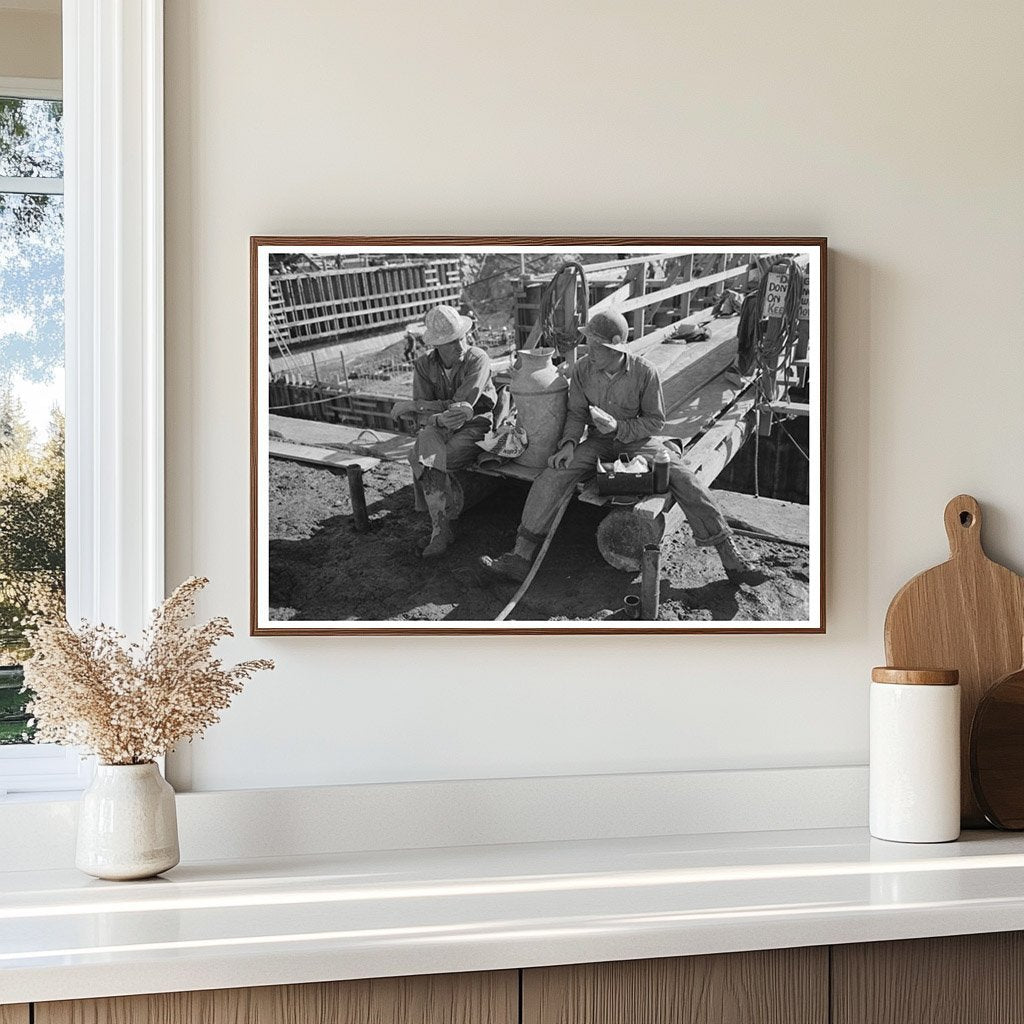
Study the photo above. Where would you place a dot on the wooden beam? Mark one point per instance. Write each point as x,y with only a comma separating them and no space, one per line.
380,444
325,458
681,289
612,299
703,407
631,261
714,450
791,408
638,288
673,276
681,381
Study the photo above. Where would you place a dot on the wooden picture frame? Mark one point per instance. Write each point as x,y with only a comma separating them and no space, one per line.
325,298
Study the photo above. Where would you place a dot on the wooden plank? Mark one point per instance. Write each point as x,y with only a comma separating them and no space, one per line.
790,408
511,471
612,298
639,287
777,986
702,407
673,276
787,520
713,451
478,998
960,979
684,369
14,1014
328,458
598,268
381,444
680,289
681,384
703,318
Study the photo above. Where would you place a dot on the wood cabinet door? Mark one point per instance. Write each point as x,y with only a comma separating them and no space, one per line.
14,1014
777,986
482,998
960,979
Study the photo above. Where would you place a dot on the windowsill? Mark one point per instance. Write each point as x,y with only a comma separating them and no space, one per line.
388,913
41,797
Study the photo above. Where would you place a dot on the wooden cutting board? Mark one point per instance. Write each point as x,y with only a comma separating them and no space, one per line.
997,752
967,614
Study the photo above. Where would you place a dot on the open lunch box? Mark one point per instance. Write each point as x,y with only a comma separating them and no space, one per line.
623,476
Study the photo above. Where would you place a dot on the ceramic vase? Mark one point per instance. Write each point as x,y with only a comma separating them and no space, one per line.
541,397
127,824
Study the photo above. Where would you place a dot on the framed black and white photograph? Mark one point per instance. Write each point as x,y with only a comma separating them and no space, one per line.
537,435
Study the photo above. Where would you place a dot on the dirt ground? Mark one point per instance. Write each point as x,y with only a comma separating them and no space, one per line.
321,569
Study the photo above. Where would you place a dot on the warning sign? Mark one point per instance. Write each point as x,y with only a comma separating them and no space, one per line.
805,299
775,295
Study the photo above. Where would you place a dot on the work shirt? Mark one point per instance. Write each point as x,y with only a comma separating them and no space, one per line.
468,381
633,396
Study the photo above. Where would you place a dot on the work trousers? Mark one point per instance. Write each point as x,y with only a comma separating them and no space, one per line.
550,488
439,451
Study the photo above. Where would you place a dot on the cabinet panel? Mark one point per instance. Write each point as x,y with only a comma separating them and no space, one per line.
962,979
778,986
14,1014
482,998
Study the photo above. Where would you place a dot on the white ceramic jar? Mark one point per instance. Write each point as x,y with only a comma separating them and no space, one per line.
127,823
915,755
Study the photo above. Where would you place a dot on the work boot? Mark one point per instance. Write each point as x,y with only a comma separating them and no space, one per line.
442,535
509,566
734,565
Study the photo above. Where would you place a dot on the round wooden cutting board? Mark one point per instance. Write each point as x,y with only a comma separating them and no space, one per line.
967,614
997,752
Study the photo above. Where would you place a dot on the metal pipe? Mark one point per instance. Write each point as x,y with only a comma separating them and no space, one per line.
631,606
344,368
360,517
650,581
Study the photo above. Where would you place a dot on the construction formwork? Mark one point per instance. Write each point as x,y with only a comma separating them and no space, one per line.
313,307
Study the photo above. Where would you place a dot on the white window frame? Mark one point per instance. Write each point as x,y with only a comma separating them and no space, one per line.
114,347
37,767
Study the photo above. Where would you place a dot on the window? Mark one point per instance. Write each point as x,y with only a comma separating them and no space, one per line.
112,119
32,531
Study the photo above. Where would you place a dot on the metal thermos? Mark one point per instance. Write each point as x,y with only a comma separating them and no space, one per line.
915,755
662,461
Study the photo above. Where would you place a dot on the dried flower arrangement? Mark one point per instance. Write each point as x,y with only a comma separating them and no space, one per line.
130,703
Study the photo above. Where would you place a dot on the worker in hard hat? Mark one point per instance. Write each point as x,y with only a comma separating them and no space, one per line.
616,398
453,399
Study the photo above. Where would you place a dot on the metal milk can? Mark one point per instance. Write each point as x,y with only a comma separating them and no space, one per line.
541,397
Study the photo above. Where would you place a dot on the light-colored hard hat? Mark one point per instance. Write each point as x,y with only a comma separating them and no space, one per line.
608,328
445,324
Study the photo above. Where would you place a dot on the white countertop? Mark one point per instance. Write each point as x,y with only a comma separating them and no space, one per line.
298,919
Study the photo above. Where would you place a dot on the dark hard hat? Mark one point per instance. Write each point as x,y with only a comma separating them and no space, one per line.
608,328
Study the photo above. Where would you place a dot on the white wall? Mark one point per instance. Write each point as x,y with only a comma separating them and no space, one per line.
895,129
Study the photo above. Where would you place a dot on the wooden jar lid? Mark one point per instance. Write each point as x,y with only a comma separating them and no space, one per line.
916,676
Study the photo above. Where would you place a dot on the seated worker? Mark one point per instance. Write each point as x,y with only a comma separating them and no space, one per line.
453,398
616,397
